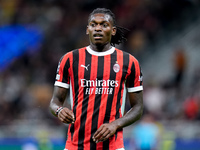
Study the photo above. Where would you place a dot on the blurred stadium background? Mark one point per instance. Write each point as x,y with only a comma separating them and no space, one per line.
164,36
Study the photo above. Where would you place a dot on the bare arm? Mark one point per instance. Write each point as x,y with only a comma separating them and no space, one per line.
134,114
107,130
59,96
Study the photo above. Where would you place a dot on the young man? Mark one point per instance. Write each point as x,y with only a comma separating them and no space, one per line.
98,76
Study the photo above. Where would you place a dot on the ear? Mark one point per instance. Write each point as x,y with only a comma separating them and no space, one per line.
87,32
114,30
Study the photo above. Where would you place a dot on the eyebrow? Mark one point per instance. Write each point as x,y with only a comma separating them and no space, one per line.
100,22
107,19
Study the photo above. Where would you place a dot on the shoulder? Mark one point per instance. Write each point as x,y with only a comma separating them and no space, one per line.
127,55
72,53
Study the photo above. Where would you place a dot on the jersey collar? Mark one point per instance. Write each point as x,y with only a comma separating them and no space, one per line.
110,51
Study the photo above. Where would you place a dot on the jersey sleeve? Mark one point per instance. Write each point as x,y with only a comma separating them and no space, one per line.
134,80
63,72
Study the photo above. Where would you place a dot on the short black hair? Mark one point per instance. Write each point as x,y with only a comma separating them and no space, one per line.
119,37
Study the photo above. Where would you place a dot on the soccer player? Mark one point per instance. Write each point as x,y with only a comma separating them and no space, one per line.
98,76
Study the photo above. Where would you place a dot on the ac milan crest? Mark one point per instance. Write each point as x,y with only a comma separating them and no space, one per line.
116,67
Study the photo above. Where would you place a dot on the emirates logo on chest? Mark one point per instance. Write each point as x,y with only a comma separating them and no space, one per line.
116,67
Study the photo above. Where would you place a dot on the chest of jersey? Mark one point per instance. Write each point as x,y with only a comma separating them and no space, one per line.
99,74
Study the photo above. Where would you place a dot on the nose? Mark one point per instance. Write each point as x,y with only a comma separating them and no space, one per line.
98,27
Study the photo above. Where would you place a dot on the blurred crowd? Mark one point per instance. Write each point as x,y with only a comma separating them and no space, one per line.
26,84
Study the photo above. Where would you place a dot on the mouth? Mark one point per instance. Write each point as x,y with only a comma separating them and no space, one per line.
97,36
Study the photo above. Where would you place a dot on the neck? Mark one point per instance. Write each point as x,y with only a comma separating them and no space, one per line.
100,48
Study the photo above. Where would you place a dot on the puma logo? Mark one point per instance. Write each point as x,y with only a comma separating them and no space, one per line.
86,67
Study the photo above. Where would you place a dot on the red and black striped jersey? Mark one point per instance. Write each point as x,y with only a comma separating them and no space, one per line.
98,82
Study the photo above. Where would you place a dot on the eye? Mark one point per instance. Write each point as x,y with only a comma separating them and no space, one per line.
105,25
92,24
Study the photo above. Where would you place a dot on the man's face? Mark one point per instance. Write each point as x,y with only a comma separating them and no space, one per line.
100,29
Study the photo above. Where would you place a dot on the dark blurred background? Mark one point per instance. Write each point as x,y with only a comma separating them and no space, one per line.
164,36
